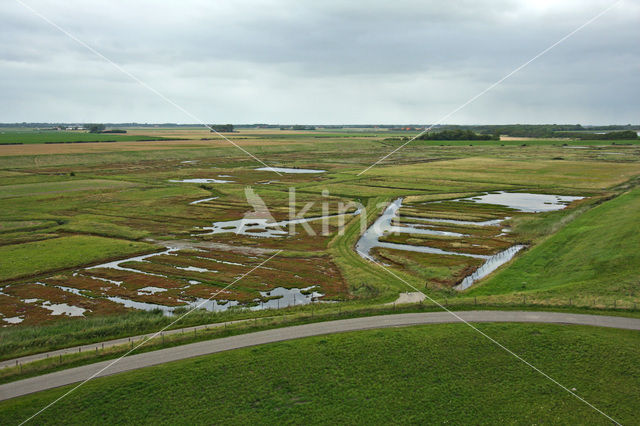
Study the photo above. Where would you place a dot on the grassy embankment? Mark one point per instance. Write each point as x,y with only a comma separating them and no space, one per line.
594,255
390,375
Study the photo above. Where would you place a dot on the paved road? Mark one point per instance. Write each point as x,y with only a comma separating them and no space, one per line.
133,362
109,343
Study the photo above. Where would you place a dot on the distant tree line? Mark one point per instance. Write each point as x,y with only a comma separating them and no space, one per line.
625,135
523,130
457,135
298,127
222,128
548,130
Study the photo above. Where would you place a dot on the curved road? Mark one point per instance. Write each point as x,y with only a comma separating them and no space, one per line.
133,362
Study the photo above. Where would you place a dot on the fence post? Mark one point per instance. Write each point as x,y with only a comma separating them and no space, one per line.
569,301
475,300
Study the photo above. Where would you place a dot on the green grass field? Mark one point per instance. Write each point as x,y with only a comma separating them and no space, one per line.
34,137
426,374
57,188
38,257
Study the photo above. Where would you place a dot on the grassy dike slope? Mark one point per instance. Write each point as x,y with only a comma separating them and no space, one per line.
596,254
426,374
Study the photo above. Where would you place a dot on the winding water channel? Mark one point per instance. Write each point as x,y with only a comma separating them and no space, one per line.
524,202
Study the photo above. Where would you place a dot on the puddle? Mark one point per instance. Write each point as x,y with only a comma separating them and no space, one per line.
525,202
408,229
107,280
204,200
493,263
289,170
226,262
252,227
189,161
145,291
282,298
194,269
287,297
64,309
13,320
200,181
116,264
382,225
493,222
168,310
262,227
213,305
75,291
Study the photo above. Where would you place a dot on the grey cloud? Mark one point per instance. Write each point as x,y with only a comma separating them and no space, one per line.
320,62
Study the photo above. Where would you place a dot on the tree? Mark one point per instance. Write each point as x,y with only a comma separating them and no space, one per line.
95,127
227,128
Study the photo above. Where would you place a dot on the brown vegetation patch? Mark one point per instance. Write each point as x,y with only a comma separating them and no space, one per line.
34,313
135,281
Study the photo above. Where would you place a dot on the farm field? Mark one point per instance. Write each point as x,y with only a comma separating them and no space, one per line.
420,374
44,137
158,225
100,241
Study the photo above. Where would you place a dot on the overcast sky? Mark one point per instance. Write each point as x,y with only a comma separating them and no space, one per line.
331,62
